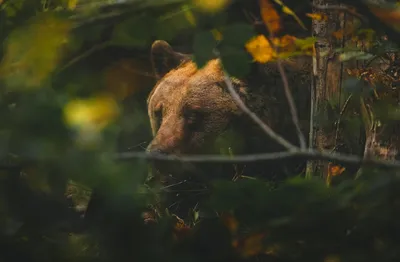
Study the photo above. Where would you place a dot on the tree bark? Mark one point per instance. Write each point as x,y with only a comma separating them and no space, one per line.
326,83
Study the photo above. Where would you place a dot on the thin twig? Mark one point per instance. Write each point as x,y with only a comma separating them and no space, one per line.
289,97
340,117
83,55
292,105
268,130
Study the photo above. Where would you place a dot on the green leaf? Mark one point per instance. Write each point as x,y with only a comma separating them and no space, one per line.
237,34
203,47
132,33
173,22
236,61
357,55
28,60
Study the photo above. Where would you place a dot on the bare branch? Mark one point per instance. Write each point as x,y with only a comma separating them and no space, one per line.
346,103
268,130
309,154
292,106
289,97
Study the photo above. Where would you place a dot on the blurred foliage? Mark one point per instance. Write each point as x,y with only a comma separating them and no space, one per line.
74,81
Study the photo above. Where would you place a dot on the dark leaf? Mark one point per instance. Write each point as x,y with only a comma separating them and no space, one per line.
235,60
203,47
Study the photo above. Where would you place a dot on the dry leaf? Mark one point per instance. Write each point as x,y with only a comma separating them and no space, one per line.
335,170
270,16
390,16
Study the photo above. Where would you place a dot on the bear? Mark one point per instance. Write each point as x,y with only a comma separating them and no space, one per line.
192,112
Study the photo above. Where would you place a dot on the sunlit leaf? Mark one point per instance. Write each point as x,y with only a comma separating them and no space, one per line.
97,111
90,116
260,49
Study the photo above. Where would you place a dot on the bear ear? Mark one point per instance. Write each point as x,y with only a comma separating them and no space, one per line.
164,58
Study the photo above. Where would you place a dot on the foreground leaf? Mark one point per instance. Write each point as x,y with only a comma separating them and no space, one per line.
33,52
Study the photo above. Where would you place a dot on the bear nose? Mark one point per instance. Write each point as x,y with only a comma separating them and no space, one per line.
158,152
155,151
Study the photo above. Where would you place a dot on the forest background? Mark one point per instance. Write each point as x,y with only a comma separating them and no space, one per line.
74,79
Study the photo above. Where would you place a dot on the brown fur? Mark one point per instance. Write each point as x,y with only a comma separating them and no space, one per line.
192,112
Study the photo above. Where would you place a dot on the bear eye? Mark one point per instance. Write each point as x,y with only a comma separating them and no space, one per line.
158,114
193,118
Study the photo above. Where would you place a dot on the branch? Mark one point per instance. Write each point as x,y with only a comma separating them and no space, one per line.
308,153
292,105
84,55
271,133
289,97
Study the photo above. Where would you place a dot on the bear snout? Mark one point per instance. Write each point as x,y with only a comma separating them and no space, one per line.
155,151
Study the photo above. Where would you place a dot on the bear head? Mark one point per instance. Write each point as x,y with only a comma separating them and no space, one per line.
189,108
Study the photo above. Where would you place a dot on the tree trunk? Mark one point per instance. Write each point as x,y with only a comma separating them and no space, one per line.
326,84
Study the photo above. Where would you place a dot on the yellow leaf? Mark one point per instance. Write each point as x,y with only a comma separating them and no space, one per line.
317,16
270,16
211,6
289,11
260,49
32,52
89,117
72,4
96,112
